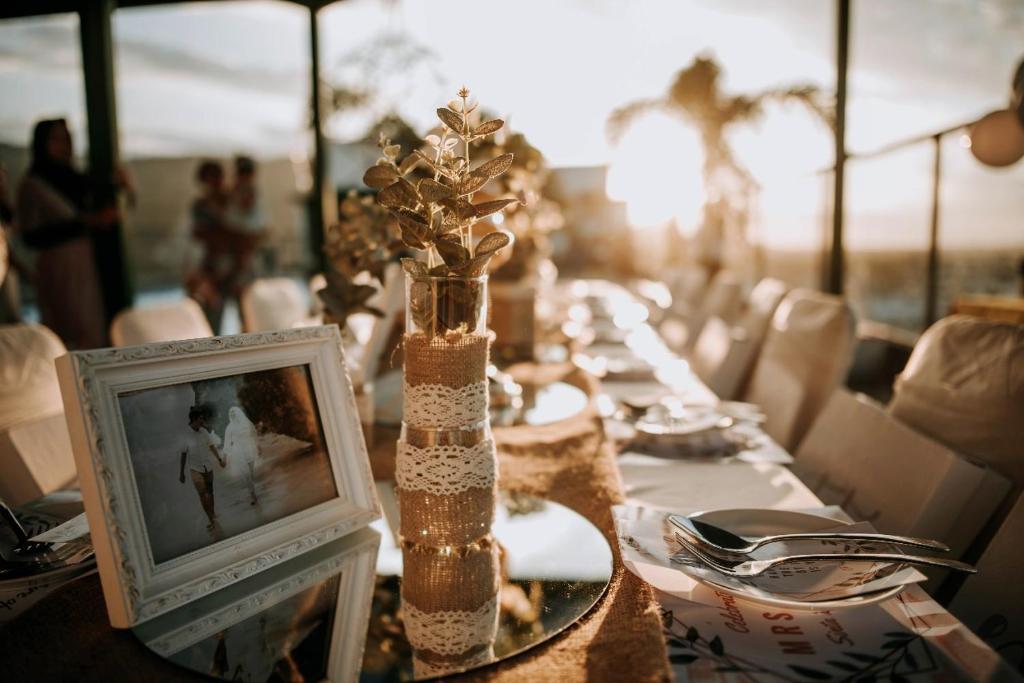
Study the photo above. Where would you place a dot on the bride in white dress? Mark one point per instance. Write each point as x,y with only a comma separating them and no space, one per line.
241,447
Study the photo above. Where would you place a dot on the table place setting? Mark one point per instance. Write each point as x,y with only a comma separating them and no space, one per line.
793,560
41,548
666,426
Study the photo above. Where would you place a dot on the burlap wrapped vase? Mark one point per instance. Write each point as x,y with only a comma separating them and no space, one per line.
446,466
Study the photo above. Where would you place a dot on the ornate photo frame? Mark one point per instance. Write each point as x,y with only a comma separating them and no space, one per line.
138,587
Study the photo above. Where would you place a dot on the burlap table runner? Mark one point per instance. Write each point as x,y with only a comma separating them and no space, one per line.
67,636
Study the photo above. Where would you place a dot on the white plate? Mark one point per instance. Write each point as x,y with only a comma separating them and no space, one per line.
661,426
753,523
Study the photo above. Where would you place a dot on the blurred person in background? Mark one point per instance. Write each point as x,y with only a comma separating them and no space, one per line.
57,213
10,267
203,283
246,221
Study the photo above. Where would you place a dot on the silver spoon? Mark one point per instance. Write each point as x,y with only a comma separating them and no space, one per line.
723,541
751,568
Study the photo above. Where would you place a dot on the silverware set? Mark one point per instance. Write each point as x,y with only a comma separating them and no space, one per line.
728,553
27,557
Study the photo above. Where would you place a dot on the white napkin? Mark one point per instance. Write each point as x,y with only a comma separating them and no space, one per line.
647,541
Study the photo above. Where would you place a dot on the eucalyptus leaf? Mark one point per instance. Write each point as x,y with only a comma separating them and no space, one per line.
433,191
473,182
414,267
488,127
476,266
380,176
452,252
449,223
429,163
408,164
496,166
492,242
398,195
450,119
413,238
487,208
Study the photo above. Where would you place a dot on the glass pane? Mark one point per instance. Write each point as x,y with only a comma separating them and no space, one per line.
957,68
209,81
41,78
888,215
980,233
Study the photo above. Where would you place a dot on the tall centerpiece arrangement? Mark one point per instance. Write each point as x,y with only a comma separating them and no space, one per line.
446,468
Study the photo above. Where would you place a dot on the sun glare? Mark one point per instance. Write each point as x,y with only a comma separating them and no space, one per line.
657,171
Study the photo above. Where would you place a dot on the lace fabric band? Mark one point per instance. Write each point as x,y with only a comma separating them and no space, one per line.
450,633
426,669
440,406
445,470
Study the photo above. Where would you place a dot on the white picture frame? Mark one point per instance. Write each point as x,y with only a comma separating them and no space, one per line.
141,578
352,559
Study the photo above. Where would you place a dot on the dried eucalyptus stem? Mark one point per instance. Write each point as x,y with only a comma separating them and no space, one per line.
437,214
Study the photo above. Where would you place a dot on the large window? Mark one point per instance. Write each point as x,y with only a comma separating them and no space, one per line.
956,69
208,81
40,78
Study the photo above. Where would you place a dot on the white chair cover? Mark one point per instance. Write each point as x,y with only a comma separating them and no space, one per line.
687,285
35,450
964,387
35,459
28,380
879,470
806,354
273,304
991,602
723,299
171,322
725,355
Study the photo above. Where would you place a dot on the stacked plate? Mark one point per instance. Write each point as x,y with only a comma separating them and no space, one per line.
650,544
26,578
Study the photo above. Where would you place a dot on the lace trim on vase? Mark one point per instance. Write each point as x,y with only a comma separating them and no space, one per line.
437,405
424,669
451,633
445,470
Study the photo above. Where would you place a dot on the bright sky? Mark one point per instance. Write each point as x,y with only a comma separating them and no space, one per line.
216,78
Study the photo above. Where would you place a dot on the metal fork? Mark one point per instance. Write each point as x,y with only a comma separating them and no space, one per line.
24,546
750,568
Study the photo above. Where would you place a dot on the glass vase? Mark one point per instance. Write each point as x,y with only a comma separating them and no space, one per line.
446,467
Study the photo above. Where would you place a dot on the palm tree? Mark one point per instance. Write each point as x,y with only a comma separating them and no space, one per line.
696,97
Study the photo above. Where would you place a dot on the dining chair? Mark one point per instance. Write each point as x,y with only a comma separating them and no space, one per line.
167,322
806,353
882,471
722,299
687,285
991,602
276,303
964,387
35,450
724,354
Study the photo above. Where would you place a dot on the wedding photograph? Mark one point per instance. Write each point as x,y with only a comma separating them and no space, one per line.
216,458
